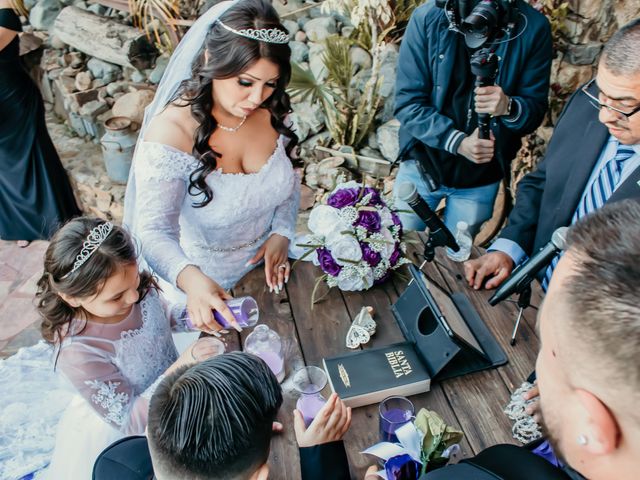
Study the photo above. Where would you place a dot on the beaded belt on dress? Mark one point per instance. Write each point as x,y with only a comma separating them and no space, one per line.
232,249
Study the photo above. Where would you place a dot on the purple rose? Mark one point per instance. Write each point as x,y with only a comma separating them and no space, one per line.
395,219
383,278
375,196
343,198
402,466
395,256
327,263
370,220
370,256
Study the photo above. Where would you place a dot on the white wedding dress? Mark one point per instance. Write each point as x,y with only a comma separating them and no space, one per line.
220,237
110,372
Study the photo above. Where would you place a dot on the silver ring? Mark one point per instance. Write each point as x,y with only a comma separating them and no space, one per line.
284,265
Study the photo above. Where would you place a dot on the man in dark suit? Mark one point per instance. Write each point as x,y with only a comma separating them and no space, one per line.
588,369
593,158
214,420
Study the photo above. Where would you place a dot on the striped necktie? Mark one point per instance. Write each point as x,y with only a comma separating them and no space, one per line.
596,196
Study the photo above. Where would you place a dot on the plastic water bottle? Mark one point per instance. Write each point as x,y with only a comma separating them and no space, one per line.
463,237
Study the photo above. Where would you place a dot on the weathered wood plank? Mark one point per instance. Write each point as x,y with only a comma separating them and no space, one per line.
478,399
104,38
323,329
275,312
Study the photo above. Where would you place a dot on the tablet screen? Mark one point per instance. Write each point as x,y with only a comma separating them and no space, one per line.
451,316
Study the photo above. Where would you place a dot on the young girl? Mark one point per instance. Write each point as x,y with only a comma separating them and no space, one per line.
113,335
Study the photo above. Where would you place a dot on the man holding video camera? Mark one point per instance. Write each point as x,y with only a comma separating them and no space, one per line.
473,78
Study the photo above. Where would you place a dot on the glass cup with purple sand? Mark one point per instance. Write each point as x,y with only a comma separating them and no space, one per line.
309,382
394,413
244,309
207,347
266,344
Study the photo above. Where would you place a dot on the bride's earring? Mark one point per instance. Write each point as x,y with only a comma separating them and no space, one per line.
582,440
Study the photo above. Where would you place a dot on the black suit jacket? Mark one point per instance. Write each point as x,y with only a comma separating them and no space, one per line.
548,197
503,462
129,459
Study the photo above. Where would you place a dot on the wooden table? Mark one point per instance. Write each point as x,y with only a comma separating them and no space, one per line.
473,402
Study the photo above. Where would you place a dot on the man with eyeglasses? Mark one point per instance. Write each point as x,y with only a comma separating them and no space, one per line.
593,158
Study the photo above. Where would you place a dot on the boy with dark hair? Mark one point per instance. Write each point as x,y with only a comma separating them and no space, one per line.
214,421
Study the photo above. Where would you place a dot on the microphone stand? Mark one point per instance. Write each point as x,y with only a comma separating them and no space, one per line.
435,239
524,301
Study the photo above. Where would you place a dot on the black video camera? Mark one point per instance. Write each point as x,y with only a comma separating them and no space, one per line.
479,21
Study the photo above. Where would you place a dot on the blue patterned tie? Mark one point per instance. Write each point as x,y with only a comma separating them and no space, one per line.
594,198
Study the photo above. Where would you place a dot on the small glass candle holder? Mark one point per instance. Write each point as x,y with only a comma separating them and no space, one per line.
207,347
394,413
309,382
244,309
266,344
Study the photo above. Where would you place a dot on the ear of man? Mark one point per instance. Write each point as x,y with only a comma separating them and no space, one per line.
262,473
601,431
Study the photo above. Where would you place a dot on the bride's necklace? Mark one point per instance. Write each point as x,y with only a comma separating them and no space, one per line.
233,129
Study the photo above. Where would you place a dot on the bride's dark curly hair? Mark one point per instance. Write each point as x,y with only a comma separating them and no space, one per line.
229,55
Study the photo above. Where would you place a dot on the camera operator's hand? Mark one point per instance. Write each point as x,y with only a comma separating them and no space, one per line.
476,149
491,100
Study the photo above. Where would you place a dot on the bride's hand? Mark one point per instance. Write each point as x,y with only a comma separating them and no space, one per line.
276,267
203,296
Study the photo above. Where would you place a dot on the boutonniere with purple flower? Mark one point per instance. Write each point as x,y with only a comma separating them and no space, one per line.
356,238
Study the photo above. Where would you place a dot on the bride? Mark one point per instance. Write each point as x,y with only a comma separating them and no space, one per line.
213,191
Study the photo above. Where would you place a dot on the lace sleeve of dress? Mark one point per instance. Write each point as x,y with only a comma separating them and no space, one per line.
162,175
286,214
103,385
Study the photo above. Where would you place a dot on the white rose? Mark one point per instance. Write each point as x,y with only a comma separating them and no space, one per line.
388,246
324,219
344,248
350,184
353,279
385,217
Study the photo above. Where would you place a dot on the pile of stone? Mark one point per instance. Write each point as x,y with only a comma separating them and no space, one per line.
87,91
308,29
308,33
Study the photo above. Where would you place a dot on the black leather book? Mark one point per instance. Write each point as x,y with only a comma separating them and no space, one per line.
371,375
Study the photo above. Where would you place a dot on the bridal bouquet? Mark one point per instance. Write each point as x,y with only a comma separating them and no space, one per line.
356,237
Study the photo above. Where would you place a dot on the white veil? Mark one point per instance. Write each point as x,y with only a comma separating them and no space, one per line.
178,69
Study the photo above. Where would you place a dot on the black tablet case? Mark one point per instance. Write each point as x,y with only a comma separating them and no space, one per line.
444,356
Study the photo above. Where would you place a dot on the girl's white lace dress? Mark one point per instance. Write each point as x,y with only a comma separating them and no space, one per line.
113,370
222,236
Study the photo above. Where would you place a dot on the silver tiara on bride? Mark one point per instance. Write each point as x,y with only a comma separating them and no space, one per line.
95,238
267,35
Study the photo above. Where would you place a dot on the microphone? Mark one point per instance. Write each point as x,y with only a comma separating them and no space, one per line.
439,234
525,273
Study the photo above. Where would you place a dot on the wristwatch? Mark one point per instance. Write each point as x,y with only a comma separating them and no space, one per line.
509,107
